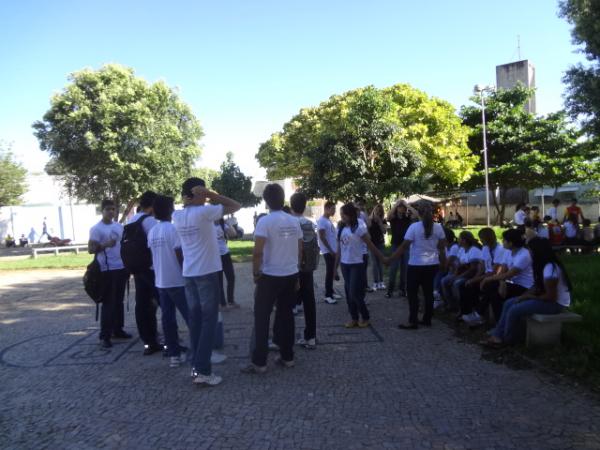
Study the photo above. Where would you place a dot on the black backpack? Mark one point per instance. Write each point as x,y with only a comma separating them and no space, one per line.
135,253
310,247
93,281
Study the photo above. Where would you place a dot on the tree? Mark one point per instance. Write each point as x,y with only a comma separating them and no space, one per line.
583,82
111,134
372,143
523,150
12,178
208,175
232,183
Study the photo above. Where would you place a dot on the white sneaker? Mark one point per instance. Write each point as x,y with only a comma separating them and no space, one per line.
217,358
382,286
273,347
176,361
285,364
474,319
337,296
311,344
207,380
375,286
330,301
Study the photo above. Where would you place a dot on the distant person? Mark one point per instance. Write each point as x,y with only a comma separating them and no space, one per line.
44,231
228,273
32,235
328,246
399,220
459,219
363,217
553,211
543,228
105,244
520,215
167,260
535,214
276,257
23,241
572,231
377,226
573,209
556,233
9,241
201,267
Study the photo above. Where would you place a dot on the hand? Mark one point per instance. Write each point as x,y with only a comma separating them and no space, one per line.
200,191
336,277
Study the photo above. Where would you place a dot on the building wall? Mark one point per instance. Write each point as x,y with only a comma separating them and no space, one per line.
508,75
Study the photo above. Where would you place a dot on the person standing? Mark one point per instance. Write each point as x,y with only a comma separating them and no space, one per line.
521,213
377,230
553,211
44,231
364,218
399,220
427,243
105,244
328,247
573,209
201,267
276,258
221,229
353,237
167,260
146,294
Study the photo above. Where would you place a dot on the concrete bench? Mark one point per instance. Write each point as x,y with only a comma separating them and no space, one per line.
56,250
545,329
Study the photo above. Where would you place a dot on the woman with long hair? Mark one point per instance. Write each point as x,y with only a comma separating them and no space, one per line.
400,219
550,294
427,242
352,236
377,230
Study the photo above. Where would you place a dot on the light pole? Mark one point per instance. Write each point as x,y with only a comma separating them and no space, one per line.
479,89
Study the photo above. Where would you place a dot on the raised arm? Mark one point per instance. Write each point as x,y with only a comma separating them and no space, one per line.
201,194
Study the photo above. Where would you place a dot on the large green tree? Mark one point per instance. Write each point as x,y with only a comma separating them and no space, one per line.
370,142
232,183
208,175
112,134
523,150
13,183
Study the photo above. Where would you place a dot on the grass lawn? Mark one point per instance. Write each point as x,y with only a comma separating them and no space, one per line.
241,251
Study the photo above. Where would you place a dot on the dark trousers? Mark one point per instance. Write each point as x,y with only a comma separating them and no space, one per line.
366,267
420,276
230,277
112,316
355,284
469,297
306,297
329,273
146,301
491,296
271,291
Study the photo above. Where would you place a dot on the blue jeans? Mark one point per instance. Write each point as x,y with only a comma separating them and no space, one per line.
377,265
172,299
355,283
446,285
203,294
509,328
398,264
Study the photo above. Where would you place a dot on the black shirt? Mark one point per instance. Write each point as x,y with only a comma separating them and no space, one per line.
376,233
399,227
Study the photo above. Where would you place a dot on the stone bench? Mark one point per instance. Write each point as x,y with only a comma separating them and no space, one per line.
545,329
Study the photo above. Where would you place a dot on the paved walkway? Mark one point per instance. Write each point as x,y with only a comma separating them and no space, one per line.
379,388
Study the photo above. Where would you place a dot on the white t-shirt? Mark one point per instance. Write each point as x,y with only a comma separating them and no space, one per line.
424,251
162,241
363,223
102,233
351,244
521,260
196,229
330,233
148,222
490,258
469,256
453,250
520,217
553,272
571,230
543,232
223,249
553,212
282,233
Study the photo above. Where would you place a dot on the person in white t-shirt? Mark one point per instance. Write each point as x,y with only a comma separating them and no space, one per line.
550,294
105,244
360,204
167,260
276,259
427,243
520,214
553,211
328,246
447,269
221,229
470,266
353,237
201,267
146,294
517,279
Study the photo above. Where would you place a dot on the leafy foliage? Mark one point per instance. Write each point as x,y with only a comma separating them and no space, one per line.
12,179
208,175
232,183
372,143
112,134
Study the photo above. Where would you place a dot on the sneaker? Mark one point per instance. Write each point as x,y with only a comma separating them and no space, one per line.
309,344
217,358
475,320
381,286
285,364
330,300
105,343
437,304
207,380
337,296
300,308
351,324
121,334
364,324
176,361
370,289
152,348
234,305
437,296
295,310
388,294
253,369
273,347
374,287
194,374
468,317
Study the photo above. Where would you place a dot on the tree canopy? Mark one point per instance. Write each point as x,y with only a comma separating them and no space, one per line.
232,183
112,134
372,143
523,150
13,183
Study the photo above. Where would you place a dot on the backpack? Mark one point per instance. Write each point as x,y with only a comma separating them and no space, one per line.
135,253
310,247
92,282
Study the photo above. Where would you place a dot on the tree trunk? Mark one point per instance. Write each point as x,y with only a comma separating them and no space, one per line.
500,205
127,210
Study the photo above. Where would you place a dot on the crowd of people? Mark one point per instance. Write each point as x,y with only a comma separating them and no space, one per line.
188,264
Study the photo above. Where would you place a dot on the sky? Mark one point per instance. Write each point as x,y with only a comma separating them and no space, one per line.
246,67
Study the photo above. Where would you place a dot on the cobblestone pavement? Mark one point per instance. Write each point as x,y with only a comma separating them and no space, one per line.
380,388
